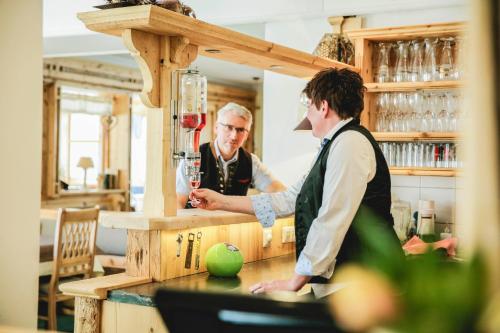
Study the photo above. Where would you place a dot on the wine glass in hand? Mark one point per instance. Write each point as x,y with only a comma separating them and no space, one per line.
194,183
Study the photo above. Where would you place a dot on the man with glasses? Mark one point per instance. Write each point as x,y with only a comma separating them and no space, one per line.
348,175
226,167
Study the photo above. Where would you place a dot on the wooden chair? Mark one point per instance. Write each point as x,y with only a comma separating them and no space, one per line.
74,251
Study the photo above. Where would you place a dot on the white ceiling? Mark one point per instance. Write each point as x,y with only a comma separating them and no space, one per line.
65,35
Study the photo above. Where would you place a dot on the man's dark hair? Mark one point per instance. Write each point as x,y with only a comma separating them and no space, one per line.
342,88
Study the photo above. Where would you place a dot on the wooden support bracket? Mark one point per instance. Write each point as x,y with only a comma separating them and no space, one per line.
158,56
149,52
145,48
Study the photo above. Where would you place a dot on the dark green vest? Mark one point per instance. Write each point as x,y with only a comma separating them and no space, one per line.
377,197
212,177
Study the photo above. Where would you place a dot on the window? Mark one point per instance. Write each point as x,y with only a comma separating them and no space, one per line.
138,153
80,133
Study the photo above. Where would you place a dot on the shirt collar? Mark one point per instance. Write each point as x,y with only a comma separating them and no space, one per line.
335,129
219,156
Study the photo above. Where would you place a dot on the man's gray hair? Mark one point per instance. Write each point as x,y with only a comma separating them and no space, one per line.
238,110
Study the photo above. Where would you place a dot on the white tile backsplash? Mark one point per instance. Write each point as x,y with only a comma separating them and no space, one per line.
405,181
410,194
444,199
437,182
443,190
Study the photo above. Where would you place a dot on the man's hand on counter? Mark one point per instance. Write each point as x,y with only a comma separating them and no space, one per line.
293,284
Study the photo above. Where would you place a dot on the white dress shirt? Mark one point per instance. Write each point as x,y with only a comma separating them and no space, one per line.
261,176
350,166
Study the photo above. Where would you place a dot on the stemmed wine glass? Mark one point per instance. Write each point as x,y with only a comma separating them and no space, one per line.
194,183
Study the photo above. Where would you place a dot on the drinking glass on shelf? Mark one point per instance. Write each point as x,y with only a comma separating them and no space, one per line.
430,62
419,155
382,112
401,103
446,63
417,61
410,148
399,155
451,105
194,183
443,116
428,114
402,63
383,63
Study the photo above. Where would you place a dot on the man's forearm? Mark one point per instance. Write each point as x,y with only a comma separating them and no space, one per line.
237,204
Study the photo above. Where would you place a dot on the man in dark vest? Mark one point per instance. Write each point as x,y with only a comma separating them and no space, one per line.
348,174
225,166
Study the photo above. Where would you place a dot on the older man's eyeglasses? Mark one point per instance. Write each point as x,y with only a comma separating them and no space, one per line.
230,128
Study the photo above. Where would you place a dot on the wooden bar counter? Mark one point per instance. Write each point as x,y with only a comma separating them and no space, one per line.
133,310
110,303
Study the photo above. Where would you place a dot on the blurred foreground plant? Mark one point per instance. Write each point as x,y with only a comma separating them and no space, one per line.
424,293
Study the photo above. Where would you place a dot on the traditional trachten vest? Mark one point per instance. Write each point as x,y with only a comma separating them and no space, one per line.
377,198
239,173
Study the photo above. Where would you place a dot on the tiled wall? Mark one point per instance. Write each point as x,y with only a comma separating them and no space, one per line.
443,190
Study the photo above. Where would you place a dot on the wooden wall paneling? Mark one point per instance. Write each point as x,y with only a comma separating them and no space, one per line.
108,317
91,74
138,253
50,141
131,318
246,236
218,96
155,261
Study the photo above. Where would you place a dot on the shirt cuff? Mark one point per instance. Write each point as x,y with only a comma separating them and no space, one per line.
263,209
303,266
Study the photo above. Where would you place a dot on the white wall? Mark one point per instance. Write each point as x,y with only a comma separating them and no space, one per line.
20,164
281,94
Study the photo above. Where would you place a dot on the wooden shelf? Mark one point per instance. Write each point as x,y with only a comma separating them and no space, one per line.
212,41
186,218
90,192
441,172
374,87
409,32
416,136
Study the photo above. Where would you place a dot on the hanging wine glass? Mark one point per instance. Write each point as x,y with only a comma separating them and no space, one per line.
446,63
383,63
430,63
401,70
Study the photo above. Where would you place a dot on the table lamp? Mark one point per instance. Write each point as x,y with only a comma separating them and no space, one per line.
85,163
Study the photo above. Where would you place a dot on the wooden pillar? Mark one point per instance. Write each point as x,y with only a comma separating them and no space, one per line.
362,59
87,315
158,57
50,146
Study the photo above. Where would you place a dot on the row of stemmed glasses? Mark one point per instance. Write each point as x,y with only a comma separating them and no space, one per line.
431,59
420,111
420,154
